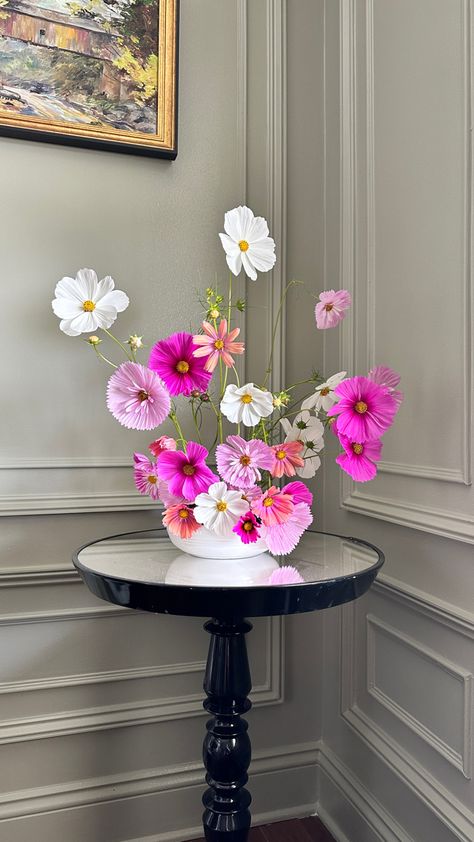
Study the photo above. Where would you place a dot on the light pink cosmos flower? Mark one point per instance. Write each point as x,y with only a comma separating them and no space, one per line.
161,444
365,409
359,460
137,398
299,492
331,308
148,482
285,576
238,461
273,507
287,457
282,538
217,344
385,376
180,520
187,474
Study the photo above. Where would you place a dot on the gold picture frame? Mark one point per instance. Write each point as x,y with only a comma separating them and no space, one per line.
85,73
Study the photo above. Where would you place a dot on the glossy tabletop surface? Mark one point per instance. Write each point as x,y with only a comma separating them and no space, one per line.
143,570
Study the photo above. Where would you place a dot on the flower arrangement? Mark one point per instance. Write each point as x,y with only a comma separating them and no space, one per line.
238,488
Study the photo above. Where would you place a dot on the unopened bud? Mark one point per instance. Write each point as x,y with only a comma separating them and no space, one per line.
94,340
135,342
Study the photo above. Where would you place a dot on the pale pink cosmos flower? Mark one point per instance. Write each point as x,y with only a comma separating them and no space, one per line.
364,410
217,345
148,482
137,398
286,458
285,576
239,461
331,308
359,460
162,444
282,538
385,376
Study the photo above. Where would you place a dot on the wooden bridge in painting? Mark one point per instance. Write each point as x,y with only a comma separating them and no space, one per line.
44,27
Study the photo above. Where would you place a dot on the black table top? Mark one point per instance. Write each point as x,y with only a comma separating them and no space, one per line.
143,570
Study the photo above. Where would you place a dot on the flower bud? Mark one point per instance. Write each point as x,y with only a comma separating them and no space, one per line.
94,340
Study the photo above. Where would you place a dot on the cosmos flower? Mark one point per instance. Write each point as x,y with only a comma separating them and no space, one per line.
282,538
308,429
220,508
299,492
247,243
285,576
247,528
238,461
173,359
365,409
359,460
162,444
287,457
148,482
84,303
137,398
186,473
324,396
217,344
180,520
331,308
246,404
273,506
385,376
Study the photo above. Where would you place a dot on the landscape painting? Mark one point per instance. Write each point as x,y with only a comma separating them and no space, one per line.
99,73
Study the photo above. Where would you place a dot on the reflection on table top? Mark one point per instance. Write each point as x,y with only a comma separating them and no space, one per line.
150,558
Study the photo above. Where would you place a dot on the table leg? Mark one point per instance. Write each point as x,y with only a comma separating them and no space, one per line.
226,750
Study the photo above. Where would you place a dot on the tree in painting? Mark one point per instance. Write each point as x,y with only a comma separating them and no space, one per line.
93,62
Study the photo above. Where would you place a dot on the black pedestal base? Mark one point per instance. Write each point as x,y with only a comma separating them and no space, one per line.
227,750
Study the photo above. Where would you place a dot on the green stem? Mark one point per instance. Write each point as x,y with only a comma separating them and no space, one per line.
111,336
229,308
275,328
176,423
237,378
101,356
193,410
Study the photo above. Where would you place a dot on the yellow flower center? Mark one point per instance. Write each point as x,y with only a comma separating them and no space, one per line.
248,526
358,448
246,398
280,454
218,344
325,391
329,307
182,367
221,506
184,514
268,501
361,407
142,395
152,479
189,470
243,245
244,460
88,306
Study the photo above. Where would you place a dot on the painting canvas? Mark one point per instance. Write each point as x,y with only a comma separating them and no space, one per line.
99,73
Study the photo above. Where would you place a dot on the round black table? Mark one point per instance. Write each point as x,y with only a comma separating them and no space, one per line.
143,570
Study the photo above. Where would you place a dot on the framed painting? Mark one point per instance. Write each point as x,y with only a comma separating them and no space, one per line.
94,73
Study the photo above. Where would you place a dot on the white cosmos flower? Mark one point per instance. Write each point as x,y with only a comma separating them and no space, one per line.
324,397
246,242
84,303
219,509
247,404
310,431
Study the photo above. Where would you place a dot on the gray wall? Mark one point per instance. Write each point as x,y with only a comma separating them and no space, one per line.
99,708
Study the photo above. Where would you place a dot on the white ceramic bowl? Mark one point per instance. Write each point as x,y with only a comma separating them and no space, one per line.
206,544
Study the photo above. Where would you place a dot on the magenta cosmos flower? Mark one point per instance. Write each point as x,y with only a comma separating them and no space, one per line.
364,410
285,576
273,507
331,308
299,492
385,376
247,528
173,359
359,460
186,473
282,538
137,398
217,345
287,457
238,461
180,520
